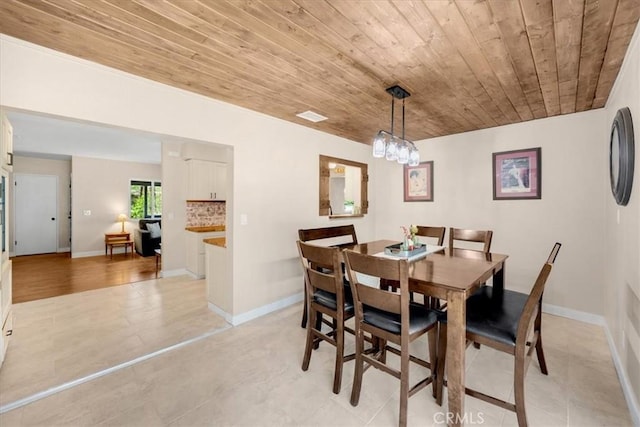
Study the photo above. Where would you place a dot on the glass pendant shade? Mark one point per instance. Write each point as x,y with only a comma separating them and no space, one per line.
414,157
379,145
392,150
403,153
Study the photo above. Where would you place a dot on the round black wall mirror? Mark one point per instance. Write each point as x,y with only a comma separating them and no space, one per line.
621,156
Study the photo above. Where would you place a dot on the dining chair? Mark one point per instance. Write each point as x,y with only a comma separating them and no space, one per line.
388,317
507,321
476,236
330,295
338,236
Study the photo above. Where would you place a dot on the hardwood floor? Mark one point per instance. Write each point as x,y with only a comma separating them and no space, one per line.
49,275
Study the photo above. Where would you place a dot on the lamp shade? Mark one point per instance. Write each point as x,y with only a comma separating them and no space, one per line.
379,145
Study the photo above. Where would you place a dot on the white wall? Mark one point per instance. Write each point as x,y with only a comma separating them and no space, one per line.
569,212
61,169
621,264
102,187
174,215
275,167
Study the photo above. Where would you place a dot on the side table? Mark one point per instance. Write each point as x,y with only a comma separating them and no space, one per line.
118,239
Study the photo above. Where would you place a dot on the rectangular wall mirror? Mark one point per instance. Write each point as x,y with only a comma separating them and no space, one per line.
343,187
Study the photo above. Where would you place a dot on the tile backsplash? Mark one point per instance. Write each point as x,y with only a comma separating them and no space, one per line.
205,214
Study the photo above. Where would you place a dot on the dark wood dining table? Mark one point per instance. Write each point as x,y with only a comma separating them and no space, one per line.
451,275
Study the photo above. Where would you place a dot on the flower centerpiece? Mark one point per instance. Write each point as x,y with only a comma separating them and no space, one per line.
410,238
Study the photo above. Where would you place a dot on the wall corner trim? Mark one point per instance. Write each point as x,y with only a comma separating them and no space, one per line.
627,390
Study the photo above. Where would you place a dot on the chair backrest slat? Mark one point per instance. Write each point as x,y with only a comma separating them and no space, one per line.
380,268
383,300
322,267
479,236
435,232
322,280
306,235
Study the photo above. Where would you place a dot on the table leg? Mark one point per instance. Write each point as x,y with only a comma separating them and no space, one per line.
498,287
456,346
157,260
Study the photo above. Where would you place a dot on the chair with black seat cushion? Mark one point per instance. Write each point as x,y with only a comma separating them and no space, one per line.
388,317
476,236
339,236
328,294
507,321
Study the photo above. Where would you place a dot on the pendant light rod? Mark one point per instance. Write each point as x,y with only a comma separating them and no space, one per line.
402,118
393,103
399,93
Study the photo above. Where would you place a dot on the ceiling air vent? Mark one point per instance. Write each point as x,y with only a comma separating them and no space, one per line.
311,116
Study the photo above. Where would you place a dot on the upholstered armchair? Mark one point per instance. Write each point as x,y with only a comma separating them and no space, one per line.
147,238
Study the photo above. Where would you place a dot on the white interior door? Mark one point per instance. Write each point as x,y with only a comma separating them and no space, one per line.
36,214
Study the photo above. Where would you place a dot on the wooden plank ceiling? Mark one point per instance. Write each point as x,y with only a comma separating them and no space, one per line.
467,64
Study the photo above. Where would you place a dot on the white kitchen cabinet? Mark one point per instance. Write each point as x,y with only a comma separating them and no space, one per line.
196,251
6,143
206,180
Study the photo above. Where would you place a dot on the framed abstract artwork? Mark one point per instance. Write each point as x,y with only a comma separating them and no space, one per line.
517,174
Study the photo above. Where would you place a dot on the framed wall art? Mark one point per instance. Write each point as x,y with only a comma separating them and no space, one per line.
418,182
517,174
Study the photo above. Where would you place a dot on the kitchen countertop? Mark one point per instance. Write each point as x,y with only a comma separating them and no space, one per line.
217,241
206,229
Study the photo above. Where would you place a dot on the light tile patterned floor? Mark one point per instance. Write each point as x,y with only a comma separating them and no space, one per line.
250,375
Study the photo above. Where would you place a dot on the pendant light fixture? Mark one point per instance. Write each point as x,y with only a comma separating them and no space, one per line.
392,147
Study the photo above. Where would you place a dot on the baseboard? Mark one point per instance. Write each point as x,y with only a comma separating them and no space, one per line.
629,395
173,273
581,316
62,250
596,319
257,312
266,309
86,254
